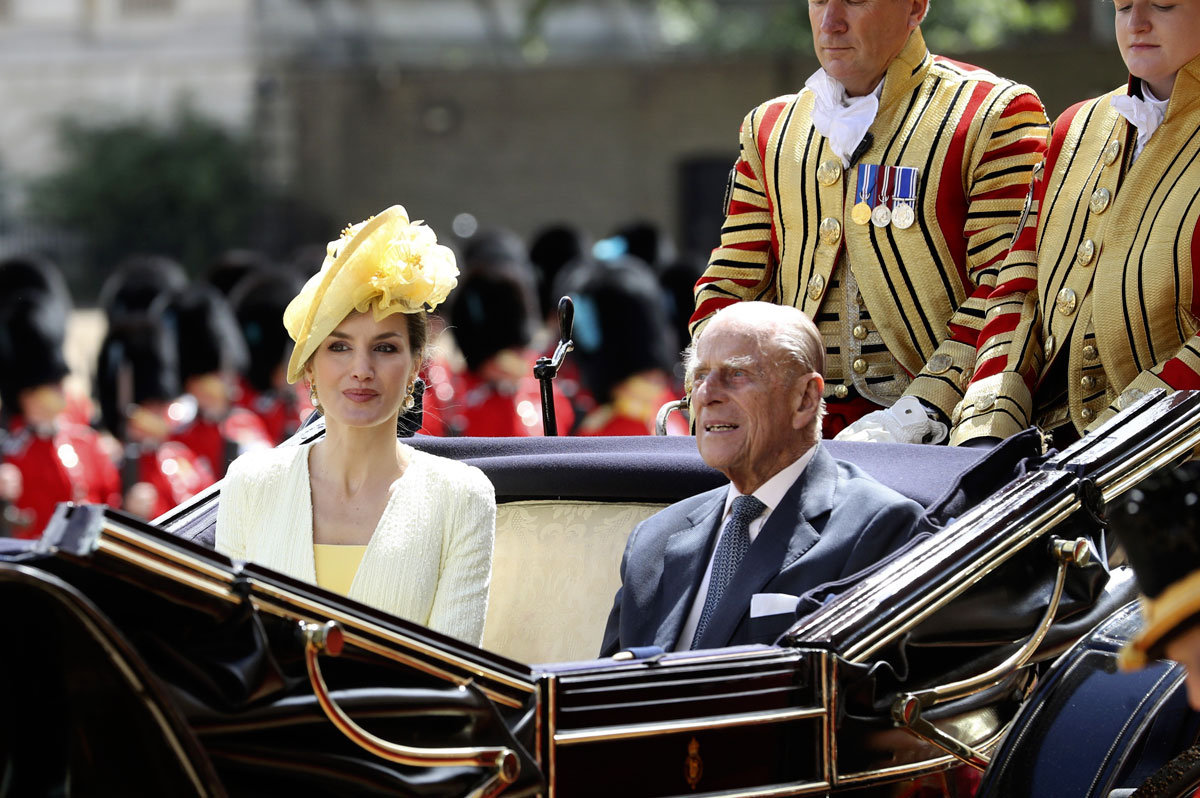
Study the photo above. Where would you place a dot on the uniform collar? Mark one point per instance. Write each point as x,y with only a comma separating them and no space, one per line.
906,70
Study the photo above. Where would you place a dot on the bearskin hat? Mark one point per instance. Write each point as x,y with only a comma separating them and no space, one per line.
33,327
207,335
233,266
621,325
138,363
553,248
492,310
258,303
137,282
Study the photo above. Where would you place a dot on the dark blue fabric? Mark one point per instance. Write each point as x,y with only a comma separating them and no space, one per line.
654,468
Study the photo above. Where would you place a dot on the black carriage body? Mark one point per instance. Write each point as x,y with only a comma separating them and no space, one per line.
216,672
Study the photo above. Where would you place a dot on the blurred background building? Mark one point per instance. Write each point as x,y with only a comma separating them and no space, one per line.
191,126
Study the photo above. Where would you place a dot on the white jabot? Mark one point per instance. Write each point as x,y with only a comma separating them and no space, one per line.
1144,114
841,119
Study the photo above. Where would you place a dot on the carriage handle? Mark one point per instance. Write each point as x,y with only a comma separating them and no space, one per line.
545,369
908,707
328,638
660,420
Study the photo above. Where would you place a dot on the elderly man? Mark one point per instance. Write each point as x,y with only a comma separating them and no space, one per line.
880,200
727,567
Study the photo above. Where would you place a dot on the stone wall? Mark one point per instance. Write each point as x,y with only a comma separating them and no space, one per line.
593,145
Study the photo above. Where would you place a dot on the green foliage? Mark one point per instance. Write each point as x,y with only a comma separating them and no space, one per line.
958,26
781,26
185,189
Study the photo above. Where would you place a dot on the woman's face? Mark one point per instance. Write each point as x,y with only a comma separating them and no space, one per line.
1158,39
362,370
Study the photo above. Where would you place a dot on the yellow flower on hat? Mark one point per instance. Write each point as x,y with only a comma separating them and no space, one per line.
386,264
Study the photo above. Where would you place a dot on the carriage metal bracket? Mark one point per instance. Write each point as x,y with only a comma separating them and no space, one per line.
660,418
328,638
906,712
907,708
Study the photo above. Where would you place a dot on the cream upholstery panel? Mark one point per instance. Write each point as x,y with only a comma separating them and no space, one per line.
555,570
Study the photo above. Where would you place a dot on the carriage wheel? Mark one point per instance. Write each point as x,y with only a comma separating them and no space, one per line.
1179,778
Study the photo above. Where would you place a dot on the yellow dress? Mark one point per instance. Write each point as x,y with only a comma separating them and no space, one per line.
336,565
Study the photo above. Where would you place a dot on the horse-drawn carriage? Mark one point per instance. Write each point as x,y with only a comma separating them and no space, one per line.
140,661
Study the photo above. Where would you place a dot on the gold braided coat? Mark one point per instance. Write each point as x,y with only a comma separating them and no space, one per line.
1097,302
905,316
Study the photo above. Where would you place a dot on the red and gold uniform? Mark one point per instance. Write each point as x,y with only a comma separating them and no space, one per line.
480,408
900,307
218,443
1098,301
68,464
175,473
281,411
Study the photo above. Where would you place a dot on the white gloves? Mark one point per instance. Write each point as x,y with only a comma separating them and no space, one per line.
907,421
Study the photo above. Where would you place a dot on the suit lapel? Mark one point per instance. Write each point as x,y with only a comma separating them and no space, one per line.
781,542
684,561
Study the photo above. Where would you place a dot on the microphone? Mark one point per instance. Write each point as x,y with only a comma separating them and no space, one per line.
863,146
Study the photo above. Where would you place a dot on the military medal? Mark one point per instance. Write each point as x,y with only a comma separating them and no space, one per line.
861,213
882,215
903,214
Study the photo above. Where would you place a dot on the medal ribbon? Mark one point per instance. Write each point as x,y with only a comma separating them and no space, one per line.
906,188
866,183
885,185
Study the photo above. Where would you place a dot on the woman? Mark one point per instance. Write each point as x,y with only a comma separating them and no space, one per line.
1100,302
359,512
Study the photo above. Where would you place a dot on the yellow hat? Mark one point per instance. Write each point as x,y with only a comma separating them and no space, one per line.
385,263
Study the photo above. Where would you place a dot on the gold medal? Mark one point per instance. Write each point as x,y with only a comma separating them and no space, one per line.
864,194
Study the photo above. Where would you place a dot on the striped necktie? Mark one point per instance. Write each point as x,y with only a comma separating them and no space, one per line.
731,550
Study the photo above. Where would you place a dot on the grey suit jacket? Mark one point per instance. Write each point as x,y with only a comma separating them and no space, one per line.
835,520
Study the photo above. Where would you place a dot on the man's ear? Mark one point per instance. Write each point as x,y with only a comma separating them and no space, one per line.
919,9
807,400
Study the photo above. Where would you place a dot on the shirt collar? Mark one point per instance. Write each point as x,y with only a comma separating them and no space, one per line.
772,491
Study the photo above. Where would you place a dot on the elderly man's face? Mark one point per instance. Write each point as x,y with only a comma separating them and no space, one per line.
752,411
856,40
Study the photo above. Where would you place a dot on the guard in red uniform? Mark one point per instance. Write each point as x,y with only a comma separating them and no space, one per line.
137,385
497,396
625,348
50,458
211,354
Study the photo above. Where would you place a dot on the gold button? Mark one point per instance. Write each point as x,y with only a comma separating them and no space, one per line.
829,172
830,230
1129,396
1100,199
1049,346
1090,352
1066,302
1111,152
1088,382
985,401
1086,252
841,391
939,364
965,379
859,365
1086,413
860,332
858,300
816,285
956,416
